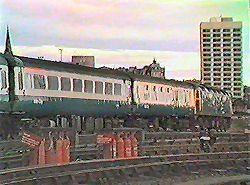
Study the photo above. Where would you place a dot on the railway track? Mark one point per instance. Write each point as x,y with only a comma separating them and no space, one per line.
87,171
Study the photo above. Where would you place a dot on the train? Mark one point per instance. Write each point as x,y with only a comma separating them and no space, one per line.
38,88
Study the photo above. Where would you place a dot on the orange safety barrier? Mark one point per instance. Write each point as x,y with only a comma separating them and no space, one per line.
59,151
33,157
66,151
120,146
50,153
114,150
127,146
134,145
41,153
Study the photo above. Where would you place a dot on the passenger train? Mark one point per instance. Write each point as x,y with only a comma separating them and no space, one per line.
36,88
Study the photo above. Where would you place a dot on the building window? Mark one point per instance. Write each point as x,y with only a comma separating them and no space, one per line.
218,84
237,49
237,65
226,35
206,74
224,50
216,40
206,45
217,74
206,35
217,69
237,40
207,65
108,88
227,84
237,74
216,30
237,89
52,83
227,59
65,84
237,59
206,54
216,64
237,94
237,54
237,45
226,30
117,89
206,40
147,88
216,35
227,64
98,87
217,54
237,84
227,74
206,69
226,45
236,35
226,54
216,79
226,40
77,85
39,82
207,79
3,80
236,29
227,69
216,45
216,50
217,59
88,86
206,30
237,79
206,59
206,49
227,79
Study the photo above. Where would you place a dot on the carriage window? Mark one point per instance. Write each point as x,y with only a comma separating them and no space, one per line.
88,86
117,89
53,83
77,85
98,87
39,82
20,80
108,88
3,80
161,89
154,88
27,81
65,84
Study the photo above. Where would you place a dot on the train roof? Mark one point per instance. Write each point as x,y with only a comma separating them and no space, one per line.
72,68
203,86
137,77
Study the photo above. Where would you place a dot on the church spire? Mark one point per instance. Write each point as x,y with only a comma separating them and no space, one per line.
7,43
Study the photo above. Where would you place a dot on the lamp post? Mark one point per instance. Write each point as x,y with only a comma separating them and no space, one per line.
61,53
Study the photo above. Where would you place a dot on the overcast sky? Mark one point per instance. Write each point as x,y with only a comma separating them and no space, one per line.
119,32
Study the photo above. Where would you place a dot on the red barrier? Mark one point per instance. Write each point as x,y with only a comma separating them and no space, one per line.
120,146
66,151
41,153
50,153
33,157
134,144
59,151
127,146
114,149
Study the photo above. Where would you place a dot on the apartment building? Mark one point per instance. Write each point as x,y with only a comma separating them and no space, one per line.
221,54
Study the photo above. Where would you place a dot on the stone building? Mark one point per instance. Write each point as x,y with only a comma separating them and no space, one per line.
88,61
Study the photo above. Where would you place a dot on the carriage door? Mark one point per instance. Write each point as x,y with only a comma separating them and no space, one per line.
197,101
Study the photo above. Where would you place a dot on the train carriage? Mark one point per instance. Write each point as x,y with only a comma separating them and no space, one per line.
160,97
4,86
54,88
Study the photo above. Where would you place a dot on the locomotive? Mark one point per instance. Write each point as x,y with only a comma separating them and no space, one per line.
37,88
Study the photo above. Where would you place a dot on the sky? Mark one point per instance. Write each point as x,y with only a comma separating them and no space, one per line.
120,33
